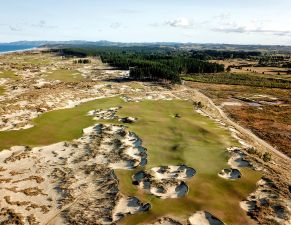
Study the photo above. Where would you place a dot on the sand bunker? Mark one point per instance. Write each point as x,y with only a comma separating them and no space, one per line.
236,159
204,218
128,205
131,99
165,181
127,120
230,174
169,189
248,205
173,172
166,221
110,114
101,114
119,148
267,194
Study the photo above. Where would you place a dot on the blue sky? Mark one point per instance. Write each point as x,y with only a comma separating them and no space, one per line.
200,21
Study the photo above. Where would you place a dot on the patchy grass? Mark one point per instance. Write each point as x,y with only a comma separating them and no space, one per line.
2,90
8,74
33,60
65,75
36,61
136,85
192,139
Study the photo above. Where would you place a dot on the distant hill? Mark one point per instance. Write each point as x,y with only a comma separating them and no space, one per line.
197,46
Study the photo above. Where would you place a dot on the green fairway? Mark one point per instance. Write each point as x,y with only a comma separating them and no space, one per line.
196,141
65,75
191,139
55,126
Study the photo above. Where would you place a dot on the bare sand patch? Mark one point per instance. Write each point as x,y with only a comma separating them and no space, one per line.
166,221
128,205
230,174
127,119
70,182
165,181
237,158
204,218
173,172
101,114
267,194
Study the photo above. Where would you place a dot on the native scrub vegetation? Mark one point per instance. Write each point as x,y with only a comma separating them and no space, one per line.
224,54
239,79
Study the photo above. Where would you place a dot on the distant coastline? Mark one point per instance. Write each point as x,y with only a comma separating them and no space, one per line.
6,49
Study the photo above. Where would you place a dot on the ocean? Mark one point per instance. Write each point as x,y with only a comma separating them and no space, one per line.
13,48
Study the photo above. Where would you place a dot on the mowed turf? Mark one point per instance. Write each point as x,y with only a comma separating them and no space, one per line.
191,139
55,126
197,142
65,75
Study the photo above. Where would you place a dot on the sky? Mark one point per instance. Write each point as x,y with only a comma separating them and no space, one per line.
197,21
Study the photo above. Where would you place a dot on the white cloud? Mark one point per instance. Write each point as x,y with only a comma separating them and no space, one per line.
13,28
115,25
226,24
181,22
223,16
259,30
128,11
43,24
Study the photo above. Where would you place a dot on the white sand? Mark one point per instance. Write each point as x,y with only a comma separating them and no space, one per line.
170,191
165,181
248,205
236,159
230,174
44,181
128,205
177,172
204,218
166,221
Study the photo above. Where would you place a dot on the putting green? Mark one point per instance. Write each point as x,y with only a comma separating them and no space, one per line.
191,139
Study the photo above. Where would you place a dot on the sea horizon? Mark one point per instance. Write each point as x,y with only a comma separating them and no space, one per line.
4,49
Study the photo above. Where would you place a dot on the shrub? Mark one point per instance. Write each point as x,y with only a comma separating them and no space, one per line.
198,105
252,150
267,157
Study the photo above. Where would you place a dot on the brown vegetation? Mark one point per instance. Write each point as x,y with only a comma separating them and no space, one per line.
266,112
